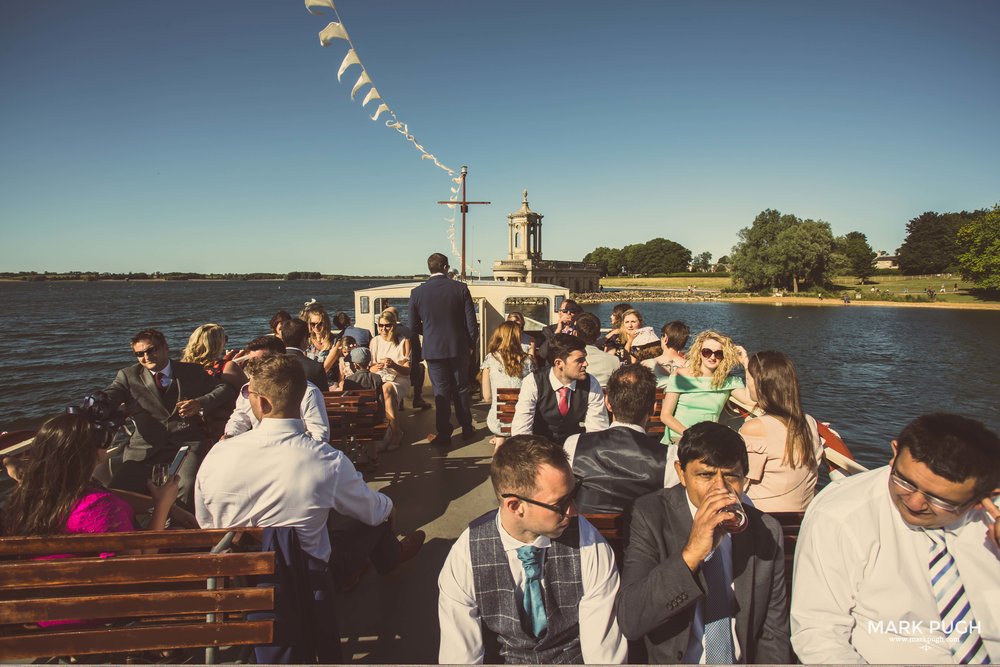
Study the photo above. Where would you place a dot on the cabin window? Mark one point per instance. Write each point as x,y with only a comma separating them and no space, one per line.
556,303
533,308
365,306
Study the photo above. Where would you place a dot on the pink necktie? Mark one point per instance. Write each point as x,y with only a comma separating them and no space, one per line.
563,400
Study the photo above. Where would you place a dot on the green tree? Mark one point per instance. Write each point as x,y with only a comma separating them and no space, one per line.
782,251
802,251
931,244
608,259
702,262
858,253
657,255
979,242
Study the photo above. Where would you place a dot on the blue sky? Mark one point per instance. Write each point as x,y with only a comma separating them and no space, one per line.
214,136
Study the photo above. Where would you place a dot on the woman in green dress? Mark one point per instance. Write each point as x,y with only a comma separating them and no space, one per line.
698,391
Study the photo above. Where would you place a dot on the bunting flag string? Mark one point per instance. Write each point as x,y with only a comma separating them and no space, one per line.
336,30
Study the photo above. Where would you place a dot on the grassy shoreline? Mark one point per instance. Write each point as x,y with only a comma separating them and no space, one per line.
896,288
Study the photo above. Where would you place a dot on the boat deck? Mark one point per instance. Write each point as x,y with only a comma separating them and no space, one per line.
393,618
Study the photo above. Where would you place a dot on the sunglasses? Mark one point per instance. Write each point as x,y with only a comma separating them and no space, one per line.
316,325
245,391
561,508
935,502
708,354
149,351
384,326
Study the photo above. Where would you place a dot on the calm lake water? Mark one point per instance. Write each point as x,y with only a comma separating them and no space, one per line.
866,370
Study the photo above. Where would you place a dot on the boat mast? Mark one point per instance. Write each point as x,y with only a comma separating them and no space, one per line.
465,209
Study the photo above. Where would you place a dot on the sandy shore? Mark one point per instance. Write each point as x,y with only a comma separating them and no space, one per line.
640,295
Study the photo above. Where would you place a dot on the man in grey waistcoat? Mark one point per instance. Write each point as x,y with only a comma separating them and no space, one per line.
491,586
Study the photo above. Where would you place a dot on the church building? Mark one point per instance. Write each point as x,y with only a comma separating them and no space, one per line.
524,261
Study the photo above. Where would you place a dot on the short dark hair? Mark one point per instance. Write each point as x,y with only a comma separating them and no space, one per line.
515,464
954,447
714,445
271,344
278,318
341,320
153,335
437,263
293,333
563,345
617,312
677,334
631,393
588,328
572,306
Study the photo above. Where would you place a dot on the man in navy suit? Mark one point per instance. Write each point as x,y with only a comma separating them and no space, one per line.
441,309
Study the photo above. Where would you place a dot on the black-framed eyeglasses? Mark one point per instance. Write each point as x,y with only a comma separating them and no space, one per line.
561,508
149,351
384,326
935,502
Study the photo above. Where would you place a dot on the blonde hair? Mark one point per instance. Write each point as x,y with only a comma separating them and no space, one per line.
390,317
206,345
280,379
729,361
505,343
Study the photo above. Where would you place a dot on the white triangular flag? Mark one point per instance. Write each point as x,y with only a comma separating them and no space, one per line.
362,81
378,112
372,95
314,5
350,59
331,32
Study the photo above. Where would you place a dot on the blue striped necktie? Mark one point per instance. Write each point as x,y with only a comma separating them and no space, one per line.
534,599
957,621
717,614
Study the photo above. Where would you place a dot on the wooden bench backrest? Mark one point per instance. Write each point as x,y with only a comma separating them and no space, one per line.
790,522
507,401
152,601
355,413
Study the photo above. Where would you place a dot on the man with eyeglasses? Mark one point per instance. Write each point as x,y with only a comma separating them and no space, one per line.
165,400
701,583
902,564
566,324
533,573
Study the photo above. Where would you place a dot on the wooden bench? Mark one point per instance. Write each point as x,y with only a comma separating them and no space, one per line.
507,401
187,596
354,413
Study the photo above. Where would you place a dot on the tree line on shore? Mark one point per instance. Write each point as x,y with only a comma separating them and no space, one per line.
91,276
783,251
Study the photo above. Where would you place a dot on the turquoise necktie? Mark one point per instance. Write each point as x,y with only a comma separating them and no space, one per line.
534,599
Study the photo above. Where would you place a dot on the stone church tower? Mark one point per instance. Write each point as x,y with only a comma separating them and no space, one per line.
524,261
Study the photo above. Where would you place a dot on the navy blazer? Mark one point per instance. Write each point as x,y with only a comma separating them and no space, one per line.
441,309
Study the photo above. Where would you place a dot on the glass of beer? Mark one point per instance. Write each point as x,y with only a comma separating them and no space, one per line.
738,523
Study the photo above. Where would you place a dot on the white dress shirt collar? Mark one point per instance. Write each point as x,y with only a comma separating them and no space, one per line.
634,427
281,426
167,372
557,385
511,543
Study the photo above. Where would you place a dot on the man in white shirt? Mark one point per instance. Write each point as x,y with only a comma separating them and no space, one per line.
877,550
553,402
533,573
600,364
276,475
312,409
622,463
702,584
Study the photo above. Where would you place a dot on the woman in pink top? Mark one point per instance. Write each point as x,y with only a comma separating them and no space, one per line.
783,445
56,495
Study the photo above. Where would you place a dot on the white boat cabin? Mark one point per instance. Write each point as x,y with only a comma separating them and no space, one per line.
493,301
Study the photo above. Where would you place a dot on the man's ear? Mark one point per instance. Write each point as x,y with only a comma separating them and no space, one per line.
512,505
680,473
607,405
895,453
266,407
